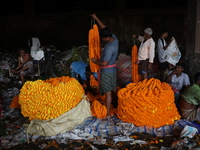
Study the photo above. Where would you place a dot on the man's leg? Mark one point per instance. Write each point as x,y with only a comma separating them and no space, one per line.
114,98
22,78
108,103
145,76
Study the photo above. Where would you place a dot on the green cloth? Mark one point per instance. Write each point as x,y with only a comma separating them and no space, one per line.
108,82
192,94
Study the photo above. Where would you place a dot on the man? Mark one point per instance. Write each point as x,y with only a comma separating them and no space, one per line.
146,52
107,62
81,71
178,80
190,101
25,65
161,47
34,44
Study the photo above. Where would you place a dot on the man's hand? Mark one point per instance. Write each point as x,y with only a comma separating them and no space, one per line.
93,16
175,72
137,62
93,60
150,66
165,47
17,71
12,71
134,36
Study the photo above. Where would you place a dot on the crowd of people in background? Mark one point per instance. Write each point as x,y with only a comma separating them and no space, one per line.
187,97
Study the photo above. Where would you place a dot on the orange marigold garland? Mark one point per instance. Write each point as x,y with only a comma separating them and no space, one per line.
93,82
98,108
94,47
50,98
135,75
147,102
15,102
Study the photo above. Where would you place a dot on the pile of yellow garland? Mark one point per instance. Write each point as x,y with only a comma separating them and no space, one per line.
148,102
94,47
50,98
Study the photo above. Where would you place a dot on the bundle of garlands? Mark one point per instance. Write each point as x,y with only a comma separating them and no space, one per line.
50,98
135,75
94,47
98,107
148,102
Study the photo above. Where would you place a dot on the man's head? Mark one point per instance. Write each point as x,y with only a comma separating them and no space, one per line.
180,67
164,33
22,52
197,78
147,33
106,34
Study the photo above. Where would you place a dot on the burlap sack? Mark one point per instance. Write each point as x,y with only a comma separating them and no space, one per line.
61,124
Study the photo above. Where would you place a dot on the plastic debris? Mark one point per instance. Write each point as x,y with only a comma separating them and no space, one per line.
188,131
122,138
140,142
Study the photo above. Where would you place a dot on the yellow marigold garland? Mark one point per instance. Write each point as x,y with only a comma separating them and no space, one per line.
50,98
148,102
94,47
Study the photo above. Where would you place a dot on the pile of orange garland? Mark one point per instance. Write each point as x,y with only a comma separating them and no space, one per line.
94,47
148,102
50,98
135,74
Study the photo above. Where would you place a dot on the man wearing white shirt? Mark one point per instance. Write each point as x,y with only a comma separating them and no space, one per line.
146,52
178,80
161,47
34,44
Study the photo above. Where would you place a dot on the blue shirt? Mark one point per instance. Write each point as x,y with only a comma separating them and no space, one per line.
80,68
109,54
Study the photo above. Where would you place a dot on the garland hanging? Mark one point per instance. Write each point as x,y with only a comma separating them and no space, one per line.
94,47
135,75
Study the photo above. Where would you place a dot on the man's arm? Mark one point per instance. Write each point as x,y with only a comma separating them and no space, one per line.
101,25
168,78
138,37
159,45
20,64
186,81
99,63
22,69
165,47
151,52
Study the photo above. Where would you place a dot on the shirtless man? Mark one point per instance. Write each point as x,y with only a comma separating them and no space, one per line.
190,101
25,65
